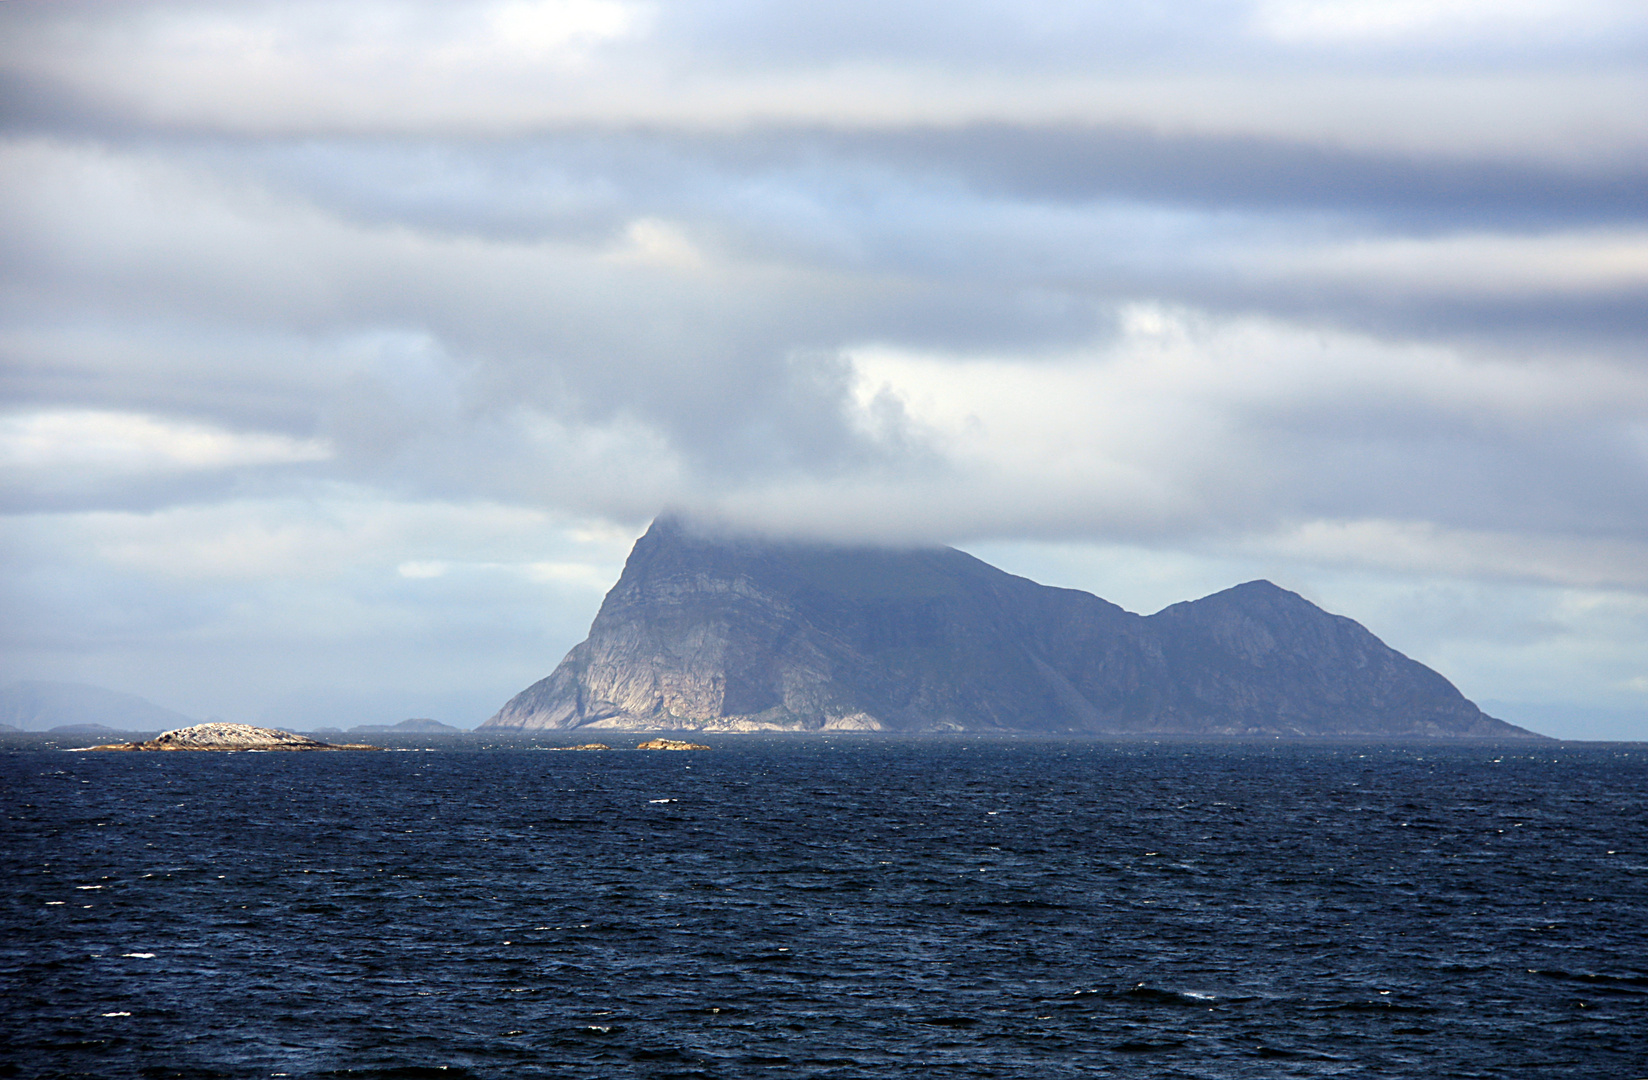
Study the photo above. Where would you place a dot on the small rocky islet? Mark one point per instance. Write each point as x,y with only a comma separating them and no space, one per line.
650,744
220,736
226,737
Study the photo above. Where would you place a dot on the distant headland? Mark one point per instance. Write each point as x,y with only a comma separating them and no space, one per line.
715,633
219,736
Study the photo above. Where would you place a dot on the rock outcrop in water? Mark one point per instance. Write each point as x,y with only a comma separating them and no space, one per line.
218,736
711,633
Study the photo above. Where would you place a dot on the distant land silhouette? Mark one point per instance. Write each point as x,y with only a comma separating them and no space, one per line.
415,726
710,633
56,706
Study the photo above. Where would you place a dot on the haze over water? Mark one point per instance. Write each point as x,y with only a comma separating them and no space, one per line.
840,907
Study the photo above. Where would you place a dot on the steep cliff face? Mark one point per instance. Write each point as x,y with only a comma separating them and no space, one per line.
711,633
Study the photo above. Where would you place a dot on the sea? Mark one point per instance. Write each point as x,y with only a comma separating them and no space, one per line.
830,906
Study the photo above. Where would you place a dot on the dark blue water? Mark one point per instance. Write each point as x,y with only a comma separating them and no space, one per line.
850,908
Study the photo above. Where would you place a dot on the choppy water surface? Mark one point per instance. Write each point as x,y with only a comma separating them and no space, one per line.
841,908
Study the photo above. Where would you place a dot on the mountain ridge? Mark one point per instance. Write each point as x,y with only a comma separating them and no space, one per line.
741,633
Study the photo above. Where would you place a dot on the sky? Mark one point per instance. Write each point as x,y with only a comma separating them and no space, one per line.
346,348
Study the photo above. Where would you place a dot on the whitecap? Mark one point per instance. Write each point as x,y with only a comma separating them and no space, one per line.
139,955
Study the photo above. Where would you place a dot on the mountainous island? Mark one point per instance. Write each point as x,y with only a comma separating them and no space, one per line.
716,633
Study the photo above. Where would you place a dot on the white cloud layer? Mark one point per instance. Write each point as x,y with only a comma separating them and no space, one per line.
119,444
388,323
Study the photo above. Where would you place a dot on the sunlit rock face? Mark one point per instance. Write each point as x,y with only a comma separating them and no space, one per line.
738,634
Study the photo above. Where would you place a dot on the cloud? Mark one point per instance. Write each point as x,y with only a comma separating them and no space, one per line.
244,605
1423,547
423,569
1591,263
371,62
327,535
651,242
1184,422
1318,22
64,457
489,69
975,366
123,443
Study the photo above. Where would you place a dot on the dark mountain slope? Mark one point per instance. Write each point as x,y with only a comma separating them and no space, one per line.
1260,657
742,634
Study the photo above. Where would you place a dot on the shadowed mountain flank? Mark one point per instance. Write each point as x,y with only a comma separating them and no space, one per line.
715,633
